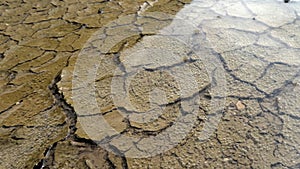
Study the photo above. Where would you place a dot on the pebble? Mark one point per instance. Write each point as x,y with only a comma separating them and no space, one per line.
240,106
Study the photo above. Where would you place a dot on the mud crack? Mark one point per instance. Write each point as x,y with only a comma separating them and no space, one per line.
67,108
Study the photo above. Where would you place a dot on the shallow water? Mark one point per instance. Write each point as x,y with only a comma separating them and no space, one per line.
149,84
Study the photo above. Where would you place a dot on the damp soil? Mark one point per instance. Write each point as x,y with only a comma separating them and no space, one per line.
238,55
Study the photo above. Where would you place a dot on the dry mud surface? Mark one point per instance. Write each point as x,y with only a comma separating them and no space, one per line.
149,84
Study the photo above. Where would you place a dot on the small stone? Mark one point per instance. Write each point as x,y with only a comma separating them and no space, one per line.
240,106
90,164
226,159
100,11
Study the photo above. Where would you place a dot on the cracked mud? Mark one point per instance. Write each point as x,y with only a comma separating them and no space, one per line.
138,90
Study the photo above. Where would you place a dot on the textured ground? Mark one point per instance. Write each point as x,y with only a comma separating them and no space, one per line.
253,48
